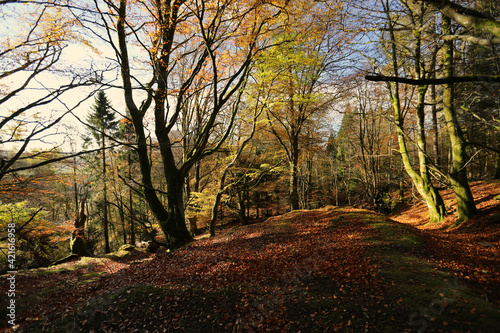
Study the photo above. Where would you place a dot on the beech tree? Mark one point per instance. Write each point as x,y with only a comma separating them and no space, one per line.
470,18
457,175
394,43
299,74
220,39
32,49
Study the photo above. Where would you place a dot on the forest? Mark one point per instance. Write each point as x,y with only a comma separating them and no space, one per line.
139,135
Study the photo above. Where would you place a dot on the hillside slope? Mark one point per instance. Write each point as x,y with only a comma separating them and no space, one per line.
332,269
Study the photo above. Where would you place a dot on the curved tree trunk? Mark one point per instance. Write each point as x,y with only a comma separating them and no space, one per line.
421,179
466,207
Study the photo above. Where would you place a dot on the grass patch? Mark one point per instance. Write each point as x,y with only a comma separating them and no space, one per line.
338,221
427,297
394,233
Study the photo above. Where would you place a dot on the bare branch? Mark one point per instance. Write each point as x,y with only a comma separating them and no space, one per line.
418,82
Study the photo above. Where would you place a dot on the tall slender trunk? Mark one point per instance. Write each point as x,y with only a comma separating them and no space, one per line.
131,202
107,248
497,159
122,219
466,207
430,191
435,127
294,175
197,176
496,174
75,184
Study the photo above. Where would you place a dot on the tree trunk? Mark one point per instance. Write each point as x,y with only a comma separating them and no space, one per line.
434,201
294,177
107,248
131,202
435,128
193,226
497,159
421,179
215,210
242,207
197,176
175,223
78,245
466,207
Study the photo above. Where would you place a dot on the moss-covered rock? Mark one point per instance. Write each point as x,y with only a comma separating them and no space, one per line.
127,247
65,259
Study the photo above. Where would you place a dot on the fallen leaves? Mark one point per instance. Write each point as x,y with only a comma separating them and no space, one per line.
303,271
471,251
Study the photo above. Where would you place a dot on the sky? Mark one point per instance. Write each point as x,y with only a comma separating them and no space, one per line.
76,56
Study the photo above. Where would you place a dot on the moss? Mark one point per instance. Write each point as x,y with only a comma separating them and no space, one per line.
338,222
127,247
65,259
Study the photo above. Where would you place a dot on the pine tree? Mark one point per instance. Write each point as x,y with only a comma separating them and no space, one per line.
102,124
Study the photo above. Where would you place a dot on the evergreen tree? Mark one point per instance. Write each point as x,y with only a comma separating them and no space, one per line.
102,124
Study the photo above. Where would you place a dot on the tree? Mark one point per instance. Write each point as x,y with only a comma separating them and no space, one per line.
221,38
36,236
457,176
102,125
371,137
421,178
223,187
297,72
126,134
469,18
29,50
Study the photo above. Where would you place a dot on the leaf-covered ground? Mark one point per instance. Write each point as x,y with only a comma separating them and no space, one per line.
327,270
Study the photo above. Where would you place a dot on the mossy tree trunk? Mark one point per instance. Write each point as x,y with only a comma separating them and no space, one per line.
421,179
457,176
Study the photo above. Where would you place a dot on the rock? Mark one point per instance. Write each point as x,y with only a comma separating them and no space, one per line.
65,259
127,247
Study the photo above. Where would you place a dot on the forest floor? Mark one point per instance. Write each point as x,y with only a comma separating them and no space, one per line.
327,270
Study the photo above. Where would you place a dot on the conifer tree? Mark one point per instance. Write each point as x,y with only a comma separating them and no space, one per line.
102,124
